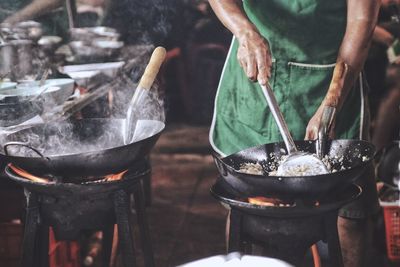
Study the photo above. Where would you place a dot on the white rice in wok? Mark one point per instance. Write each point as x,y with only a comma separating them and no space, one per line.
252,168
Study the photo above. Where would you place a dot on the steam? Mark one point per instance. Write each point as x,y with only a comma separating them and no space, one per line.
89,135
73,137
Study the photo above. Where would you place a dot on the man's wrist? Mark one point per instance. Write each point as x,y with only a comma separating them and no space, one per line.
247,33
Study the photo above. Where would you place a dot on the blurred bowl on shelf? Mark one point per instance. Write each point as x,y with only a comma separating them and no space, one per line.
7,86
89,33
53,92
96,51
49,43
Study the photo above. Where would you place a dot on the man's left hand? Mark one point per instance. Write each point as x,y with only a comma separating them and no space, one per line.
314,124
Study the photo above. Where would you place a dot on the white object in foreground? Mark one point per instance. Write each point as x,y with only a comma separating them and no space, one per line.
237,260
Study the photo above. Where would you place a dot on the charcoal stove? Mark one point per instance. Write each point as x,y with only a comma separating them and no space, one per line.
72,208
284,232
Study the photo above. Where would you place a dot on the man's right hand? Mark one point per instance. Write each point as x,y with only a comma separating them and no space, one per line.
254,56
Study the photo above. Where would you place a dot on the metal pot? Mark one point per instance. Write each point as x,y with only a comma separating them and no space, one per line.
33,29
6,59
16,59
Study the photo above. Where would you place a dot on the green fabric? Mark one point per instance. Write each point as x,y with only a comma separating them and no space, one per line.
305,31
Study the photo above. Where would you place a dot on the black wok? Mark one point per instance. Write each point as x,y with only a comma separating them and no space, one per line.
328,203
18,110
357,155
79,149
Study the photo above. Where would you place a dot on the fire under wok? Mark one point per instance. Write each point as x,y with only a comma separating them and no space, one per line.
78,149
348,159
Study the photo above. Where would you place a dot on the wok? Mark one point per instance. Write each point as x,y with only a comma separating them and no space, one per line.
76,149
357,155
328,203
19,110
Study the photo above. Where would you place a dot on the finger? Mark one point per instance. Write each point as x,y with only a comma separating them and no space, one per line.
264,68
243,63
311,133
241,58
251,68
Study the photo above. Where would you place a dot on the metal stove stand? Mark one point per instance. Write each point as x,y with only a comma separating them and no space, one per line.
290,247
71,208
286,233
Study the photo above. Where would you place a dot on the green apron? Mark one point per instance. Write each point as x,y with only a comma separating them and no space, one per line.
304,36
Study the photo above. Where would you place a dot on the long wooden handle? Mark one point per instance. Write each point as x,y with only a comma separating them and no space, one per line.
151,71
334,91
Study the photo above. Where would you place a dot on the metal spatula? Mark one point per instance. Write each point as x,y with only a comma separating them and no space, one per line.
297,162
134,126
303,163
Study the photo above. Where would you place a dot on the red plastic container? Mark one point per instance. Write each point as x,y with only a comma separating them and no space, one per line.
392,226
391,211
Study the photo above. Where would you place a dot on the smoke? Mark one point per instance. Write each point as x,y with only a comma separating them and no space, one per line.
89,135
142,22
72,137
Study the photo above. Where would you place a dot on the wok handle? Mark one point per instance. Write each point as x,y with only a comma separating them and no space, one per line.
151,71
324,128
330,105
220,164
335,88
5,147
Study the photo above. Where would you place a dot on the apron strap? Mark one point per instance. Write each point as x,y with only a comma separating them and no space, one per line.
364,112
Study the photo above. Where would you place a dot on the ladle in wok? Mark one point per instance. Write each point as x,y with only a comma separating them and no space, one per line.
309,164
133,125
298,162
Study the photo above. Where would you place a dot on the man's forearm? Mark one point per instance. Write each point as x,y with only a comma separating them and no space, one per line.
361,21
33,10
231,14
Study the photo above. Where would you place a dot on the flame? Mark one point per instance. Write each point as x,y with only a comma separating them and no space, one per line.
33,178
27,175
275,202
269,202
114,177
